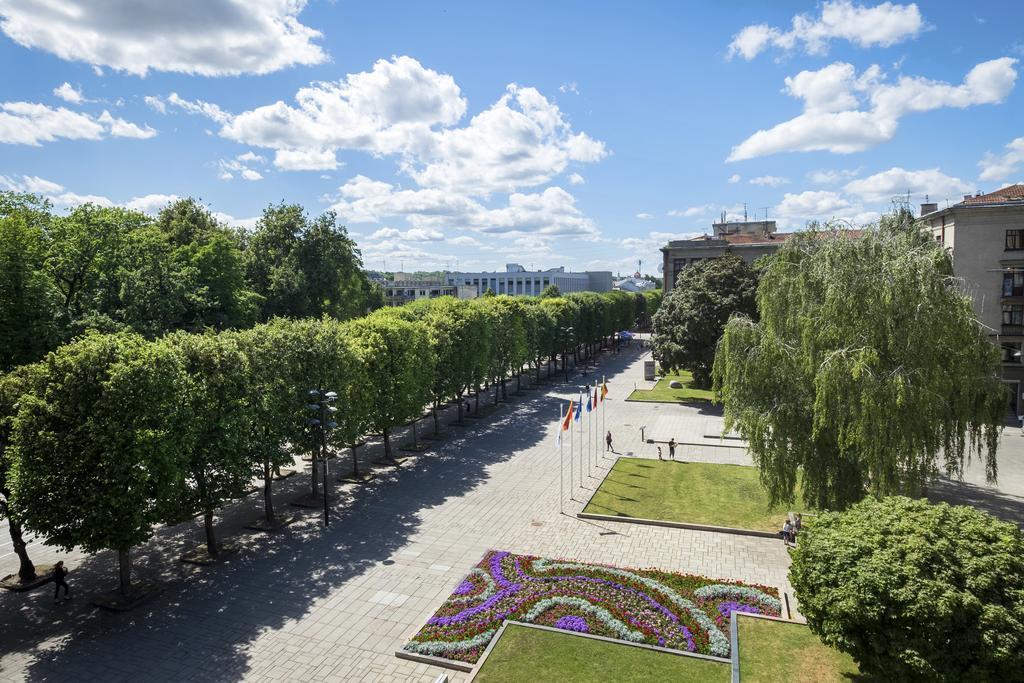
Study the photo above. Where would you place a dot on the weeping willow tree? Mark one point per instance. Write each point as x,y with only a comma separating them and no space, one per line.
867,372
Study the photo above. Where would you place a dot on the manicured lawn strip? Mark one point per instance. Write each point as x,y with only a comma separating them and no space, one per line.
528,654
662,393
777,652
695,493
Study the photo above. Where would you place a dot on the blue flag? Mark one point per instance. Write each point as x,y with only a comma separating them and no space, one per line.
579,410
589,407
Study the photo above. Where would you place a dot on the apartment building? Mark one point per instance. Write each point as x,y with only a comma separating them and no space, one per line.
405,288
747,239
985,233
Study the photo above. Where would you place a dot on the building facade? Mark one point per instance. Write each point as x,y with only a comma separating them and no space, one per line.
985,234
516,281
747,239
405,288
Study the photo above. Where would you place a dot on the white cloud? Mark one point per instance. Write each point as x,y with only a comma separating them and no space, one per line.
28,123
833,122
645,216
151,203
423,235
155,103
881,187
210,111
250,174
571,86
831,176
998,167
37,185
465,241
812,204
306,160
246,223
576,179
251,157
203,37
119,128
735,178
882,25
691,211
69,93
769,180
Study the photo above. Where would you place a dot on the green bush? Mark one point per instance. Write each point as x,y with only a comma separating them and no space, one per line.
915,591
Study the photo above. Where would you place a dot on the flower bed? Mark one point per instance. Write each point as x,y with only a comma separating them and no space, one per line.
678,611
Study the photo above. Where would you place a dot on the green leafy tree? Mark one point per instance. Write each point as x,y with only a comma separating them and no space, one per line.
96,462
13,386
400,367
914,591
551,292
689,324
867,363
213,443
29,300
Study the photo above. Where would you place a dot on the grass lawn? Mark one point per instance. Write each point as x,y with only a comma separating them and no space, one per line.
777,652
662,393
698,493
529,654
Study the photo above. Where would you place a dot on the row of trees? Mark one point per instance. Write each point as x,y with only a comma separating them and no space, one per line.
113,269
114,433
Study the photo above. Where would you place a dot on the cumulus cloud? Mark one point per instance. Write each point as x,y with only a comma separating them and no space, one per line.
735,178
812,204
881,187
996,167
882,25
30,123
691,211
832,176
69,93
250,174
306,160
769,180
576,179
645,216
197,107
242,165
203,37
151,203
833,119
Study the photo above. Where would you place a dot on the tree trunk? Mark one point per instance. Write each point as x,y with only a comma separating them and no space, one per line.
355,461
268,499
536,367
124,570
476,397
211,537
519,376
415,438
387,443
497,391
437,422
26,570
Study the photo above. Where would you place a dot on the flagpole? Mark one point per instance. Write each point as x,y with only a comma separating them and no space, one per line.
572,482
581,446
602,400
561,478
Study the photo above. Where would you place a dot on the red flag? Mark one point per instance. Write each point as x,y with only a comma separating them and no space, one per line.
568,417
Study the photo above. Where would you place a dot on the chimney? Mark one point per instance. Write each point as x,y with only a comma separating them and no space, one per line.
929,207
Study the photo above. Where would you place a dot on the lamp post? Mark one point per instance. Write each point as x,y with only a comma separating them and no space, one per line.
566,335
323,422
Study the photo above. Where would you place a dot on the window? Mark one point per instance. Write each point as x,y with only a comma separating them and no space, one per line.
1013,283
1014,240
1011,352
1013,314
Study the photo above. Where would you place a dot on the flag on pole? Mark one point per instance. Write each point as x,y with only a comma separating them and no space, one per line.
579,411
595,394
589,407
567,419
604,390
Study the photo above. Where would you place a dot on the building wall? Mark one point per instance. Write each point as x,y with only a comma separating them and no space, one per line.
977,238
676,258
533,283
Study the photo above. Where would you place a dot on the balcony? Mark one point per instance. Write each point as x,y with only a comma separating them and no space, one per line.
1012,330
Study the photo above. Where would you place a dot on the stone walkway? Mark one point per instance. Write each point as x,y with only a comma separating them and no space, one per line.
335,604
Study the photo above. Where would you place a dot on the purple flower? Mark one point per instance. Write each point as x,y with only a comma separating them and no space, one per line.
727,608
572,623
464,588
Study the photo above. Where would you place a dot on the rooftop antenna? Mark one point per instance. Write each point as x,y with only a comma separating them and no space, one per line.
744,212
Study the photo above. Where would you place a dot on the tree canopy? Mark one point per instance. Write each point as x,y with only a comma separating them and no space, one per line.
914,591
689,324
866,364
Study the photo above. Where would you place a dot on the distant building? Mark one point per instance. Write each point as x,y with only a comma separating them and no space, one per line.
634,284
747,239
516,280
985,234
405,288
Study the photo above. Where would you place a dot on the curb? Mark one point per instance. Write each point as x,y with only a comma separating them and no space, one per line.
677,525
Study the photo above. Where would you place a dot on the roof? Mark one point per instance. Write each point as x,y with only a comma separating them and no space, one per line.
1012,193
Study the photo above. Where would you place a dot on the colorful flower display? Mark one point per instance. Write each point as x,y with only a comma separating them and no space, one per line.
678,611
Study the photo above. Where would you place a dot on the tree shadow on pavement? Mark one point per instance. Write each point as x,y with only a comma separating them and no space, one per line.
206,623
993,501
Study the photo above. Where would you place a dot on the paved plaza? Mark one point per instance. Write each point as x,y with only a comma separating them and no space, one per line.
335,604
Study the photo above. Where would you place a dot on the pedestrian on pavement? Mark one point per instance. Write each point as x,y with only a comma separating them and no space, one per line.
59,572
659,453
672,448
608,442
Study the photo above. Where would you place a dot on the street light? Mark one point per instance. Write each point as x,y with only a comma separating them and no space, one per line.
324,411
566,334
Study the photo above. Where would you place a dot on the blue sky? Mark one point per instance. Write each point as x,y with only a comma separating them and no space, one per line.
473,134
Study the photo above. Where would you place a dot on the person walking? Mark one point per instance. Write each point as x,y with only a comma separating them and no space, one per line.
608,442
59,572
659,453
672,448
